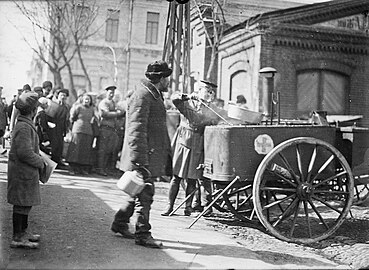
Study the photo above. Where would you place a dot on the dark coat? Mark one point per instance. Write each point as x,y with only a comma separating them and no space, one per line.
146,139
24,165
188,141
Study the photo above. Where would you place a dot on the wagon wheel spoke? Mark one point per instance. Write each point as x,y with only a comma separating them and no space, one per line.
246,200
320,190
332,192
280,190
326,204
318,214
278,202
288,165
289,209
275,198
323,167
295,219
330,179
299,163
307,217
311,164
244,189
284,178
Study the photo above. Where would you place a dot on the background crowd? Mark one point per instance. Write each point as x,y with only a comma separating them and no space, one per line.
106,134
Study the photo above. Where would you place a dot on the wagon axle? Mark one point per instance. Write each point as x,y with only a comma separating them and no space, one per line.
305,191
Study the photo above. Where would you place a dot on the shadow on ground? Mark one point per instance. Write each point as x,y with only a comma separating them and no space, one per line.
75,228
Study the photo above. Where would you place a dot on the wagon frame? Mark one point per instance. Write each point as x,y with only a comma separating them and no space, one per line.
300,189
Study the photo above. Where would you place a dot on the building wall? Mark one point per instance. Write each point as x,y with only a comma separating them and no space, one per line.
98,57
289,54
290,57
236,11
240,52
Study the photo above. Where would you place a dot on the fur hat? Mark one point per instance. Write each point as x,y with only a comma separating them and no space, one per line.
158,69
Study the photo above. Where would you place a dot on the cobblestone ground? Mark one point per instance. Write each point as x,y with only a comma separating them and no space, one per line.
349,245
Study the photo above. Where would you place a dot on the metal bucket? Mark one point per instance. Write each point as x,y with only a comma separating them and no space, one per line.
244,115
131,183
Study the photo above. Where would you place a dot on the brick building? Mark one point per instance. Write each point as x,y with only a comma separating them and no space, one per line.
320,52
235,12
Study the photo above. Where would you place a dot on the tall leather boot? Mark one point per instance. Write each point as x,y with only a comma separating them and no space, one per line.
173,192
190,187
19,235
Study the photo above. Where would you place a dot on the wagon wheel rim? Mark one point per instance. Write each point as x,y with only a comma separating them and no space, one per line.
303,190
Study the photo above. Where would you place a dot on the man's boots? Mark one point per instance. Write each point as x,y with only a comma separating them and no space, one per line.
31,237
190,188
173,192
20,238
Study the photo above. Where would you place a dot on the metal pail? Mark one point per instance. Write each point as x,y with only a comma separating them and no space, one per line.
131,183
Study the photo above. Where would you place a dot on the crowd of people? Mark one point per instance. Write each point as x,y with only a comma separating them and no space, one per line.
128,135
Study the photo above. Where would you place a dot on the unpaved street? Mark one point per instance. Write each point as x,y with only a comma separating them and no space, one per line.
75,216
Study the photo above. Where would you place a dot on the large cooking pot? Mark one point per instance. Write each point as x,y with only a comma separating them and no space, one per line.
236,112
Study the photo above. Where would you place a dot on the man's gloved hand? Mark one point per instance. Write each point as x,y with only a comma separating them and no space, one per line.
194,96
185,97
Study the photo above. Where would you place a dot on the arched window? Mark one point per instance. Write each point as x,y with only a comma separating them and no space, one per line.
322,90
239,84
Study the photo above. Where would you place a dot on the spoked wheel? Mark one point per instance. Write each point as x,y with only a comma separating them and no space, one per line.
303,190
220,205
361,193
239,201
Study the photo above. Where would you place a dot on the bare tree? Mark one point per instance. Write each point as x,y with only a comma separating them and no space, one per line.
211,15
63,26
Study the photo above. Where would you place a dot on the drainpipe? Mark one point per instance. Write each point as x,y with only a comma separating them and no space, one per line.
115,64
128,60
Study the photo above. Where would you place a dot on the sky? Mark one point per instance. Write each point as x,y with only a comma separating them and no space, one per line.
16,54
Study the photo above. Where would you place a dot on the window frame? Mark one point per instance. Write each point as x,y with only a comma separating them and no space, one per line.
152,28
112,26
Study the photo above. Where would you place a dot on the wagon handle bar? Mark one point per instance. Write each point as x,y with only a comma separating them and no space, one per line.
216,198
221,117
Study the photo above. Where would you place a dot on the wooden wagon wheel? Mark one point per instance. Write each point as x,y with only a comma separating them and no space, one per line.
239,201
361,182
303,190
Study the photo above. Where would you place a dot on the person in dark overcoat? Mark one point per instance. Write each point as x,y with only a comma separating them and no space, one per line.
24,167
146,144
188,141
61,121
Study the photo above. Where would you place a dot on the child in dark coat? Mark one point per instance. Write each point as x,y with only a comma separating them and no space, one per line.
24,168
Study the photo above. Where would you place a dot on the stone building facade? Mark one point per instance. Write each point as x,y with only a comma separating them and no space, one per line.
320,52
130,36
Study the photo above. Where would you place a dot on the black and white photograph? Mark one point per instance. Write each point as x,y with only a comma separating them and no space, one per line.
184,134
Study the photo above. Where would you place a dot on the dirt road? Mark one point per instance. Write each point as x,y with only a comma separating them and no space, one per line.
75,217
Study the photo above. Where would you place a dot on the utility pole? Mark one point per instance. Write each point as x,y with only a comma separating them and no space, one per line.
177,44
128,58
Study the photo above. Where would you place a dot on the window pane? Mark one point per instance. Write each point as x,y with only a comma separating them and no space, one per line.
112,26
152,28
